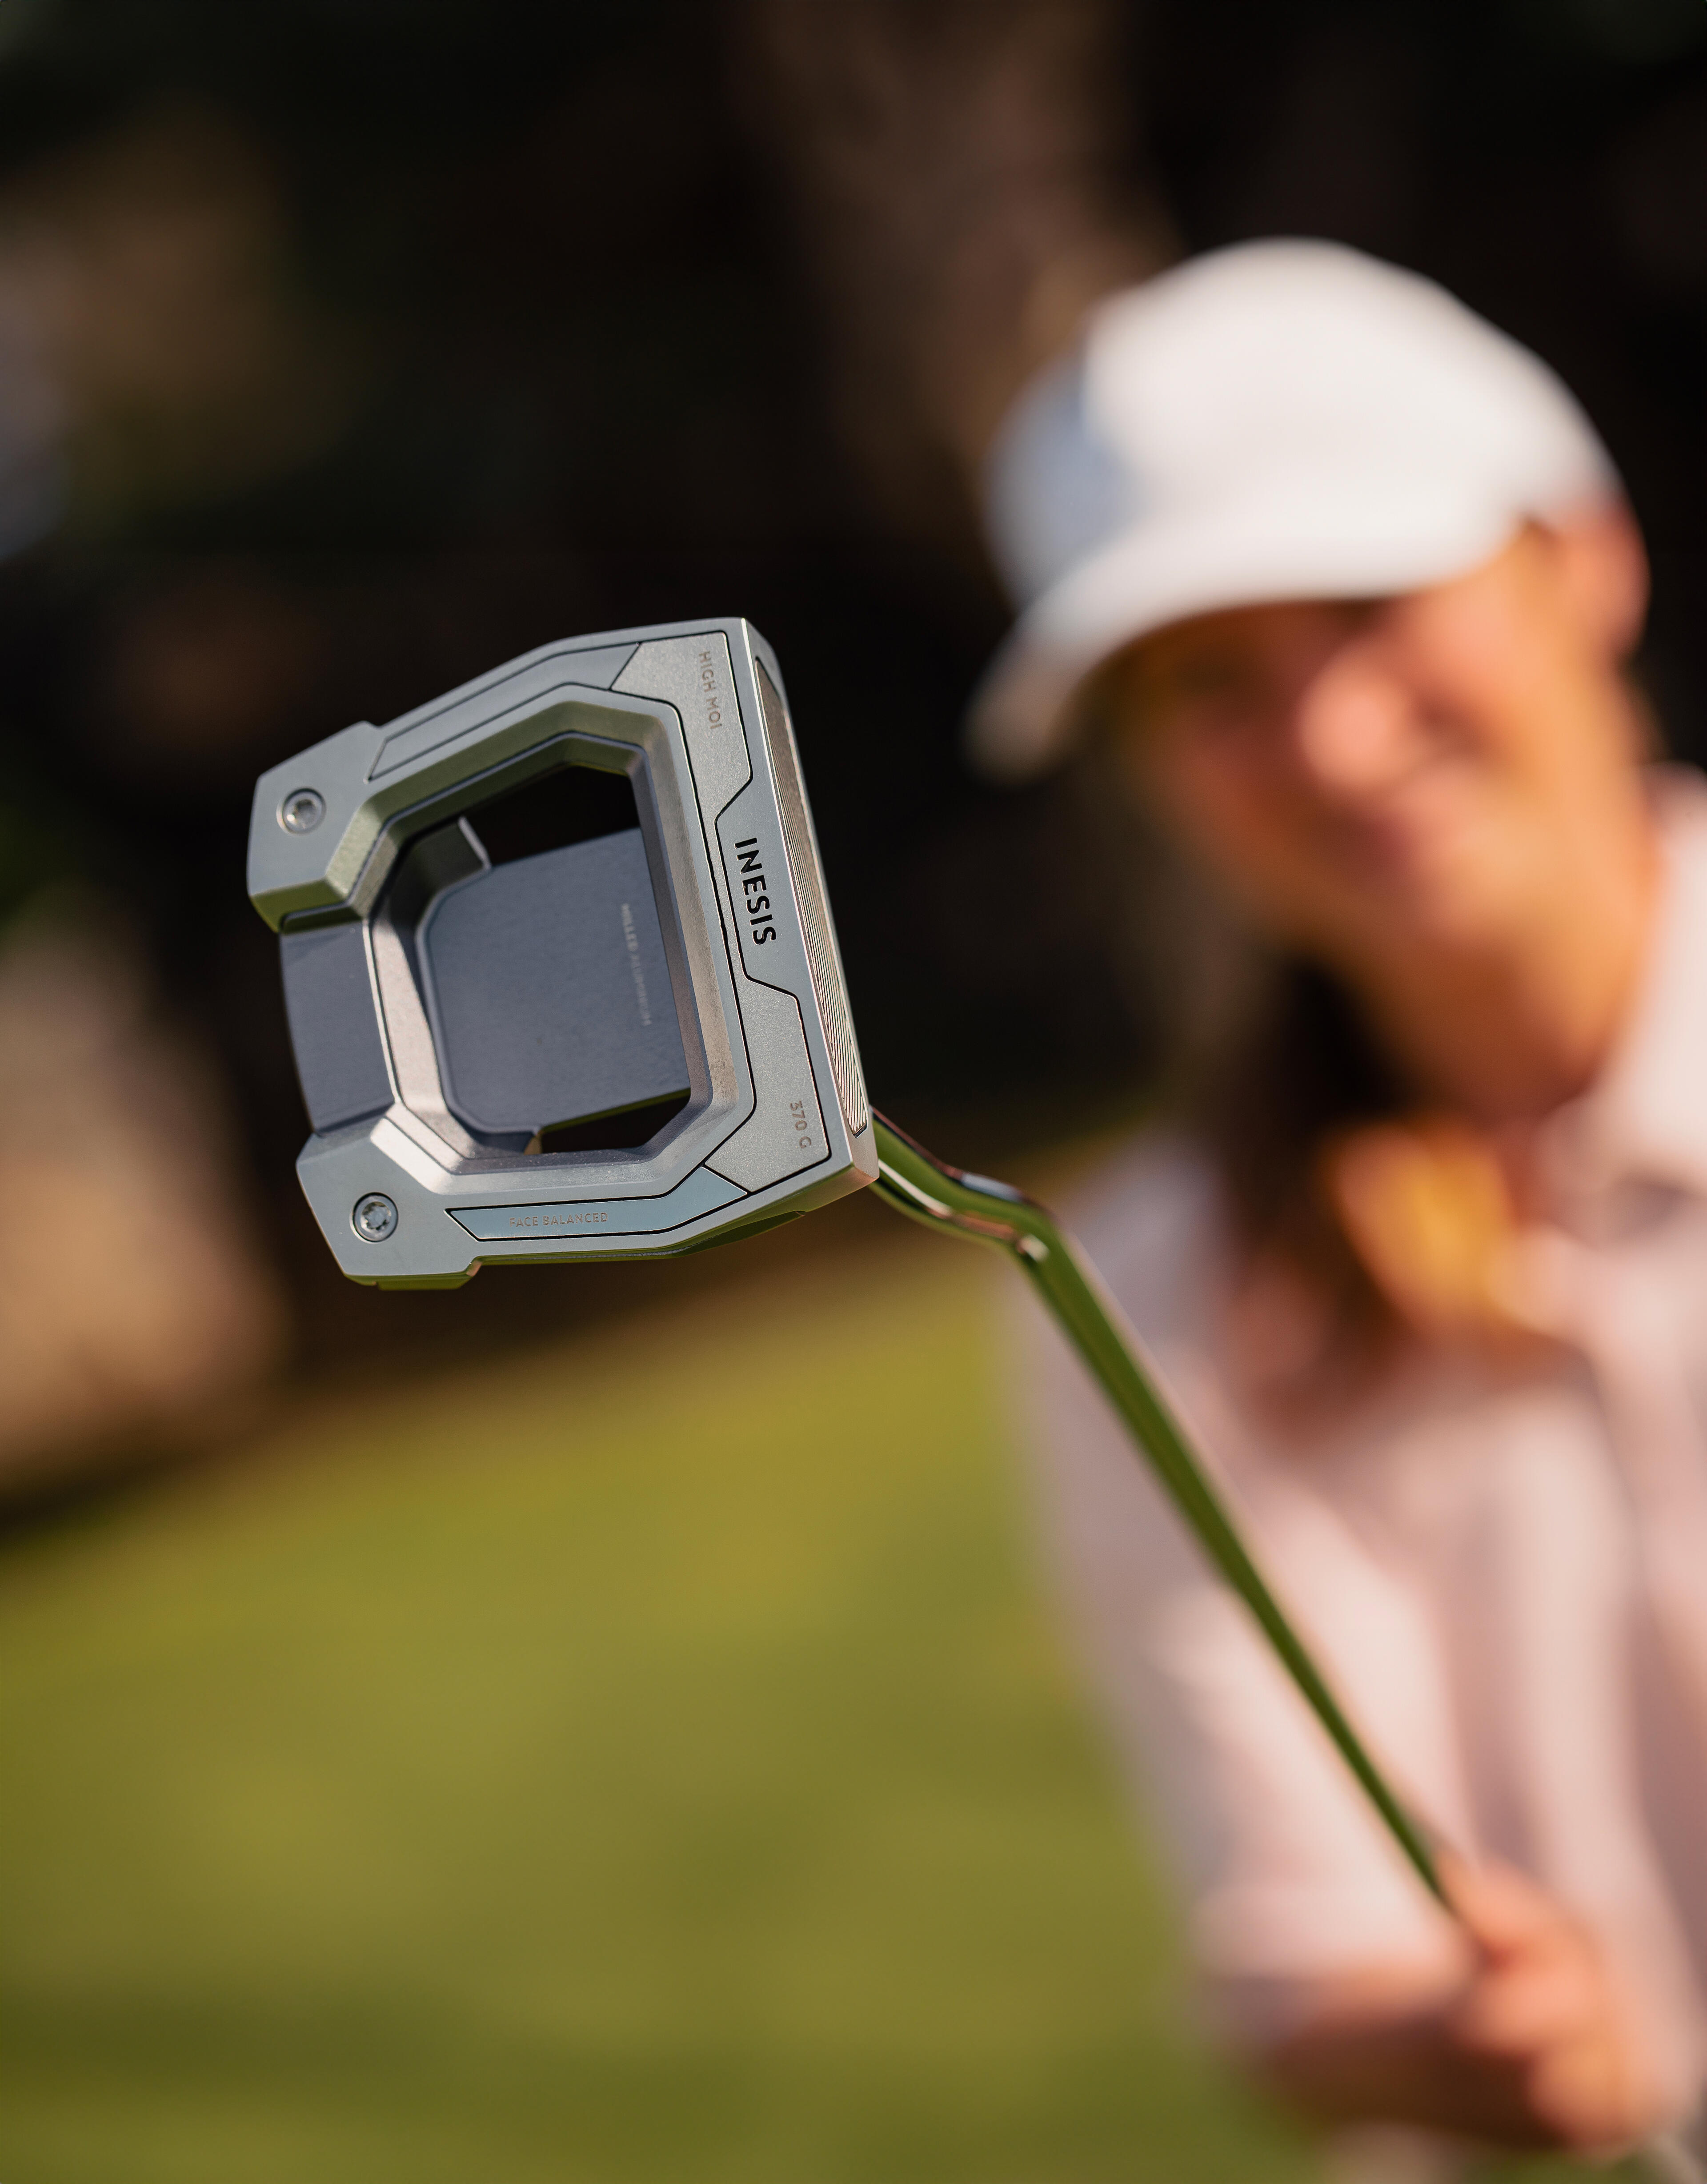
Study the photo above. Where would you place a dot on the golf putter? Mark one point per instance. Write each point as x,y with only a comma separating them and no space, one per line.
563,983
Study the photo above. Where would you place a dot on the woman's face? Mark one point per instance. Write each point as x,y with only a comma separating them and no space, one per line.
1405,774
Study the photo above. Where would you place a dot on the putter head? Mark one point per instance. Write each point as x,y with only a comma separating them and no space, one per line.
559,964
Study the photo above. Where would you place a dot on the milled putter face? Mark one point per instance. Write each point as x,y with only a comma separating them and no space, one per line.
559,964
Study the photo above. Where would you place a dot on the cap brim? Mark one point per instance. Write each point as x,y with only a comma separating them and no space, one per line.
1287,544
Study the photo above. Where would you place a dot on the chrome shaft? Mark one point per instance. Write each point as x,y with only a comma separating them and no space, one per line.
918,1184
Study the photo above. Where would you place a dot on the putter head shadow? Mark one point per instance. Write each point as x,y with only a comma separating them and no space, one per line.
559,966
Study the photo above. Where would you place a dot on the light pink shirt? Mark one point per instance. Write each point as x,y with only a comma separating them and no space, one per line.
1506,1578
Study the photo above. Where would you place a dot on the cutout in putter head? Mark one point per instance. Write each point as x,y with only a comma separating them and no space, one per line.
562,983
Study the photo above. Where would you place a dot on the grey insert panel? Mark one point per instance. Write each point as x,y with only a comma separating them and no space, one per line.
329,1000
549,990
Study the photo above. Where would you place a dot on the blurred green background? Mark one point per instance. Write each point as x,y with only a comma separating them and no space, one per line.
653,1760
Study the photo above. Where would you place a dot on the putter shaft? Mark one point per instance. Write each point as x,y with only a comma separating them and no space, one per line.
916,1183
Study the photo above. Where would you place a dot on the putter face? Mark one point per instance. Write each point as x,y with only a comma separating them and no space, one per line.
559,964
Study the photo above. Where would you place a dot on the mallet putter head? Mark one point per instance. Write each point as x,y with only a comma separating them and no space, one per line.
559,964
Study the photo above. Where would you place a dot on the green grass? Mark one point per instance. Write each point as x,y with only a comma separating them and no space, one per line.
610,1767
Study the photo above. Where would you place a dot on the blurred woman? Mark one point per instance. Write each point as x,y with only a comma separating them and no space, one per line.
1343,584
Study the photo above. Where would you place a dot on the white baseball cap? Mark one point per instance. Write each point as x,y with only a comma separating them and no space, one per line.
1282,419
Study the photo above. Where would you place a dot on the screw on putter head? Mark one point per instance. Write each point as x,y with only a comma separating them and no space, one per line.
562,983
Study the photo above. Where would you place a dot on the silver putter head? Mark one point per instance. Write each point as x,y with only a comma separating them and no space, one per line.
559,966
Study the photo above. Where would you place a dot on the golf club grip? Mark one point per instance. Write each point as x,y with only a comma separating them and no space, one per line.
916,1183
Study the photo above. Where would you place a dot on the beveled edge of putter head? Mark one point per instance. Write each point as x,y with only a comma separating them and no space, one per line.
777,1119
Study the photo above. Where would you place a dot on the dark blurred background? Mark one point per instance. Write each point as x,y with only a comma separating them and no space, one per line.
345,350
646,1753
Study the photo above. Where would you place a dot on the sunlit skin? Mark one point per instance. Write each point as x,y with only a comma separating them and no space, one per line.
1439,797
1529,2043
1436,795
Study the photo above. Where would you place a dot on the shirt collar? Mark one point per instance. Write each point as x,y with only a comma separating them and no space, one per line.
1645,1117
